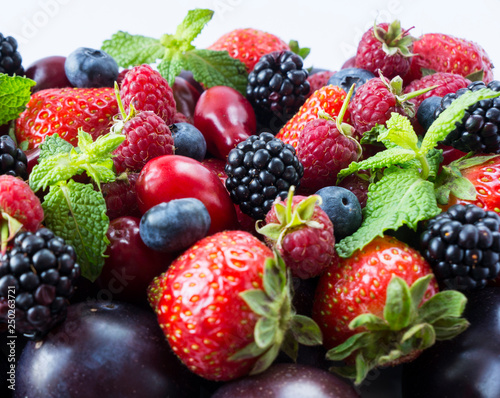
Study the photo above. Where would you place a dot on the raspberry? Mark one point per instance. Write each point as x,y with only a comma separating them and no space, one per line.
147,90
13,160
318,80
148,136
463,246
323,151
43,270
120,197
18,201
358,186
306,249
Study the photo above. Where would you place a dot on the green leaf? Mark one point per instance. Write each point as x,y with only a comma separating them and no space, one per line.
418,289
400,132
53,145
305,330
274,279
302,52
361,369
216,68
451,182
401,197
265,331
171,66
259,302
445,123
420,337
15,93
265,360
77,213
391,156
398,306
131,50
290,346
448,303
434,159
369,321
305,208
193,24
52,170
353,343
449,327
251,350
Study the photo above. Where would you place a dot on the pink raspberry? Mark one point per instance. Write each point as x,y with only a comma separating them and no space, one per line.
148,136
147,90
324,151
120,197
318,80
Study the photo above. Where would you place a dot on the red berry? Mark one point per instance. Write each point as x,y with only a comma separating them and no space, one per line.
120,197
318,80
147,90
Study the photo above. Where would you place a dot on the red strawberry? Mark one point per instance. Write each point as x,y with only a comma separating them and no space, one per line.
218,297
385,48
381,306
19,207
445,53
318,80
64,111
248,45
303,234
325,147
328,98
147,90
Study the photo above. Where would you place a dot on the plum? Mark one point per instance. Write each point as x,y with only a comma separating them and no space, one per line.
103,350
467,366
289,381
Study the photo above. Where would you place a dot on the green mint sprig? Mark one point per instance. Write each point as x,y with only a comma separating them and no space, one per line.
174,53
15,93
407,191
74,211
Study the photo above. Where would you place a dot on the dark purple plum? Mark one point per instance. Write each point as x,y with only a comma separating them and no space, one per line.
289,381
103,350
467,366
48,72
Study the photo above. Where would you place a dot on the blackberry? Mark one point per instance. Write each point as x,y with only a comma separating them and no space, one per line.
13,160
479,129
260,169
39,273
462,246
10,59
278,84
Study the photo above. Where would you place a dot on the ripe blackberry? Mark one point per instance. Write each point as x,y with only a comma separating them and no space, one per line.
10,59
40,272
260,169
278,84
13,160
479,129
462,246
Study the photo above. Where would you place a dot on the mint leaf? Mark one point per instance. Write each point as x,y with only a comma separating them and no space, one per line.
52,170
171,66
77,213
15,93
400,197
217,68
445,123
395,155
400,132
131,50
193,24
53,145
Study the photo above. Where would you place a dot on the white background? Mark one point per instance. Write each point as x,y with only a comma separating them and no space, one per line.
331,29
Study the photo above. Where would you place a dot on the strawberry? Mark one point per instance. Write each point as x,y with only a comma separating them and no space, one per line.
248,45
328,98
444,53
385,48
225,307
64,111
381,306
303,234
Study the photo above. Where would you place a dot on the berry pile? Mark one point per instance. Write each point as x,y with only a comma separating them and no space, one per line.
256,204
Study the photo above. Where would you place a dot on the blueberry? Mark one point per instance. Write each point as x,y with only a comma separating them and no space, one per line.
86,67
175,225
189,141
343,208
426,111
345,78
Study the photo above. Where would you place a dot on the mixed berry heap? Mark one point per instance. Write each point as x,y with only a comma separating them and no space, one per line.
278,83
13,160
43,270
10,59
259,169
463,246
479,129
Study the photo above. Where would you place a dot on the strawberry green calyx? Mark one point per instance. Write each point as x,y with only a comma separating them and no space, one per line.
291,219
279,326
394,40
174,53
303,52
406,328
